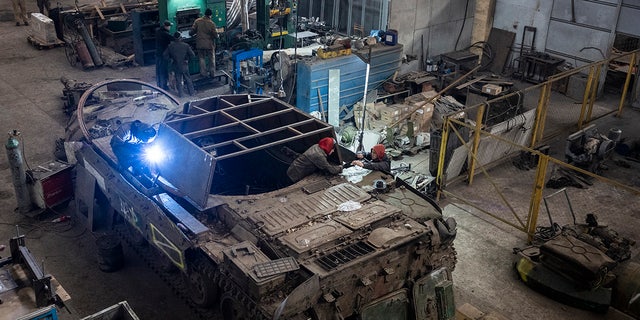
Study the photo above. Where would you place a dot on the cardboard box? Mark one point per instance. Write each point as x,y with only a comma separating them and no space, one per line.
421,118
389,113
492,89
42,29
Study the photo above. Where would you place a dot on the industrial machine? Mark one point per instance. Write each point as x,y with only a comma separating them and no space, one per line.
248,71
587,149
28,293
216,203
21,271
275,23
581,264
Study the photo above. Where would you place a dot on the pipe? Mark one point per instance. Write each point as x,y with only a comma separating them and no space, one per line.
18,174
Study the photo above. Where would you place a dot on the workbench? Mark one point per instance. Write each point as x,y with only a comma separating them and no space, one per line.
536,67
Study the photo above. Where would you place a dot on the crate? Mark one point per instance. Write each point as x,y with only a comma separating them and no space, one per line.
492,89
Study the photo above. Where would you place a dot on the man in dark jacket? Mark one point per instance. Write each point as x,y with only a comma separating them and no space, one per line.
180,53
375,160
163,38
314,159
205,32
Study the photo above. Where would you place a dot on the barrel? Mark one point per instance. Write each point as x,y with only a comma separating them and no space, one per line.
110,254
627,288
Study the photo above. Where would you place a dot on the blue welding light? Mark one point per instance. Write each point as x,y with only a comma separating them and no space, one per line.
154,153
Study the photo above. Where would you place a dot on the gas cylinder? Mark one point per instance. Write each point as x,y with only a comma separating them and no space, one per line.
18,174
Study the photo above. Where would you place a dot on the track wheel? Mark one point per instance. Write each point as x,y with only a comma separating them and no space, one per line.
232,309
72,55
204,291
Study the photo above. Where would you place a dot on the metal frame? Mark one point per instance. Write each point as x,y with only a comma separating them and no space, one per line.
232,115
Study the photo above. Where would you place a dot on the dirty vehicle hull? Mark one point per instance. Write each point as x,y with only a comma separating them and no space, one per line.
222,210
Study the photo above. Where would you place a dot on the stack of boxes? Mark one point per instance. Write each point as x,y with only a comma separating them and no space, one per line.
380,115
423,113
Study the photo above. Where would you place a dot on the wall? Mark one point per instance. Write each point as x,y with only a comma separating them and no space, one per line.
514,15
436,22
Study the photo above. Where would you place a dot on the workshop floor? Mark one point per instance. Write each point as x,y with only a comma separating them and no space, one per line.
30,95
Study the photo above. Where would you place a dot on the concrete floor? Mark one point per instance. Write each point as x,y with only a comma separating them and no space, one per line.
30,92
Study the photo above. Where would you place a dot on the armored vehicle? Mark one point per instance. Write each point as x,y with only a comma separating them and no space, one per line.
220,208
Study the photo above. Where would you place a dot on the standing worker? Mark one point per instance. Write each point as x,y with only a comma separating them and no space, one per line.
20,12
163,38
44,5
204,29
180,53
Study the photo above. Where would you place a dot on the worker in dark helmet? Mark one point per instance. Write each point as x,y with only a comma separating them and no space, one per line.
128,144
375,160
314,159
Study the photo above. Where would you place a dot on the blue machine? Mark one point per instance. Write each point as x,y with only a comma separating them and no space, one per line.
248,73
313,76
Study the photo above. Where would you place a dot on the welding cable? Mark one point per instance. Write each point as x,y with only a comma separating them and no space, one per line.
464,19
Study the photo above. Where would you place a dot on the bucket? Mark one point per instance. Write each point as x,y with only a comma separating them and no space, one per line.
110,254
391,37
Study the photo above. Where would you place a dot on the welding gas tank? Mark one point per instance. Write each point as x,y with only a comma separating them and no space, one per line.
391,37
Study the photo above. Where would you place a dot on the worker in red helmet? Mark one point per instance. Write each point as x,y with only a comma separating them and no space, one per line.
314,159
375,160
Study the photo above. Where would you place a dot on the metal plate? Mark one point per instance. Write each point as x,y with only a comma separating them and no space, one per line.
296,213
314,236
368,214
6,281
274,267
187,167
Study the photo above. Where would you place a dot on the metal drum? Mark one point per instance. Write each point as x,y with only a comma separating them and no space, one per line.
110,254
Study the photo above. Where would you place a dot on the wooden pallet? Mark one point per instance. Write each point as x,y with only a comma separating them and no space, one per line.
44,45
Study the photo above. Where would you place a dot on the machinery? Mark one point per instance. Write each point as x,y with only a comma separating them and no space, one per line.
578,264
21,271
275,23
248,72
28,293
587,149
218,206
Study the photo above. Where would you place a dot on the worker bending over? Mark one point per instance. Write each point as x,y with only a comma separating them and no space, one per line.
314,159
128,144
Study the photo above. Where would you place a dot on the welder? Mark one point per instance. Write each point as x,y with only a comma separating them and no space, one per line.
128,143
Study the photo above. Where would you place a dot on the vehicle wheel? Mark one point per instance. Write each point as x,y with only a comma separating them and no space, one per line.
72,55
232,309
204,291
